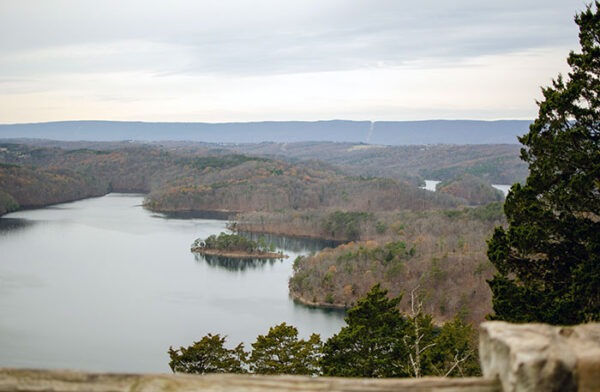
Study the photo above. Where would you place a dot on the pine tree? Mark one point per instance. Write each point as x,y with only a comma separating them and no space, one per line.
371,345
208,355
548,259
281,352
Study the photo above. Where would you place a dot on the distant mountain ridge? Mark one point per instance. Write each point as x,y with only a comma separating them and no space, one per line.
378,132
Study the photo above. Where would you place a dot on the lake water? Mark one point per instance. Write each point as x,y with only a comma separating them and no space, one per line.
105,285
431,185
504,188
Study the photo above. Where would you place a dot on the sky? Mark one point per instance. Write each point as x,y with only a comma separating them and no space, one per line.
259,60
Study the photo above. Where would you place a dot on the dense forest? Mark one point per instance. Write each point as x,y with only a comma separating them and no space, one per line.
171,170
492,163
201,178
442,253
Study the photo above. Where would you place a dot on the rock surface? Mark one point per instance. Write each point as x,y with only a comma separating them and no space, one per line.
540,357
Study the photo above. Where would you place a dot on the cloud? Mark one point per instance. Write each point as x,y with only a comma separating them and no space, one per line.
261,59
278,37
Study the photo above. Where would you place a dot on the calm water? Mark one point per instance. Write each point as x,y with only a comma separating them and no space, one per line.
104,285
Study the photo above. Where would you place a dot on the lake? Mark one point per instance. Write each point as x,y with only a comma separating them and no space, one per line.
105,285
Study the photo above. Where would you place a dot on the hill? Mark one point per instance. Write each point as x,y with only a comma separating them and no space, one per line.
493,163
205,180
379,132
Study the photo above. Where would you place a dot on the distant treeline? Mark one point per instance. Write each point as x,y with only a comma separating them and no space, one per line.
202,180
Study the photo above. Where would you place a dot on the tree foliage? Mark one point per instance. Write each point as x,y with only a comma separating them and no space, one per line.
230,242
548,260
208,355
370,345
378,341
281,352
278,352
443,252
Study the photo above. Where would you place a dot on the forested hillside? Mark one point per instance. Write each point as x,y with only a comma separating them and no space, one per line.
492,163
439,254
202,181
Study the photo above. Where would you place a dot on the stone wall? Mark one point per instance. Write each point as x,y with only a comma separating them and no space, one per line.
540,357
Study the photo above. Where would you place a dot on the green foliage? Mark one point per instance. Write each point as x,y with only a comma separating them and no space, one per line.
7,203
345,224
378,341
454,353
232,242
371,344
495,168
548,259
278,352
223,161
381,227
281,352
492,212
208,355
472,189
8,165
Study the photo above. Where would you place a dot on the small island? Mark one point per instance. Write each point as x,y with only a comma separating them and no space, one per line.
236,246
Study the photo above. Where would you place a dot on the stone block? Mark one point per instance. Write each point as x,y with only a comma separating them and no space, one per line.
540,357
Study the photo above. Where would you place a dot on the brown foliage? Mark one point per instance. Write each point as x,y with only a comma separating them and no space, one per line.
443,252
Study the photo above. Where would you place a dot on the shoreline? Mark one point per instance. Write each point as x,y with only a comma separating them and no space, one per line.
239,254
319,305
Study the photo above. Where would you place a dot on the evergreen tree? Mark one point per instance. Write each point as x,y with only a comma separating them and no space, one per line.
371,345
281,352
454,353
548,260
208,355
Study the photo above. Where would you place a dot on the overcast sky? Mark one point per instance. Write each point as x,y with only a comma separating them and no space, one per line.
228,60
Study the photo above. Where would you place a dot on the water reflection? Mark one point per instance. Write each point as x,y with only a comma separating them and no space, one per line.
233,264
8,225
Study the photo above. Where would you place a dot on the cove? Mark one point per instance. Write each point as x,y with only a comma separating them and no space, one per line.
105,285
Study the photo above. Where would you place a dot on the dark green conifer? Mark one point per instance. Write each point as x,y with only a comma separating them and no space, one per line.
548,260
371,345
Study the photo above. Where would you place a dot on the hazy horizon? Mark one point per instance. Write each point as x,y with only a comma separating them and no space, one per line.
305,60
271,121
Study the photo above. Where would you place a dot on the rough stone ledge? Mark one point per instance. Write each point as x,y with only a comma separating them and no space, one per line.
540,357
66,381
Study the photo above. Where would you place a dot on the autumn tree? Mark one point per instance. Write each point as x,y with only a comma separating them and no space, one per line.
548,259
